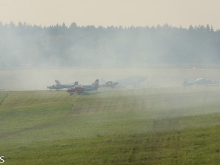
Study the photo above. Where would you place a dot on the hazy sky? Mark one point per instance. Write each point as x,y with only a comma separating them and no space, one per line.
112,12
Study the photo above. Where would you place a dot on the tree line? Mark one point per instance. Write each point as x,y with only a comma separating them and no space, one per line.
32,46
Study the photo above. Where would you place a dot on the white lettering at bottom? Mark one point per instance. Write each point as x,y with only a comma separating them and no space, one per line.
2,159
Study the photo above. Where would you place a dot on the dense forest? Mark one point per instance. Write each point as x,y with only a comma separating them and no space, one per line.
31,46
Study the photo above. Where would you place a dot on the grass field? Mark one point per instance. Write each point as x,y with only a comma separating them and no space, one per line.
174,125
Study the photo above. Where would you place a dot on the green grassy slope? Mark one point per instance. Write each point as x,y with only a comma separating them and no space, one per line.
136,126
188,146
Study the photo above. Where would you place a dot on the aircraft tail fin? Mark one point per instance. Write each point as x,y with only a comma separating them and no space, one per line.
57,82
96,84
76,83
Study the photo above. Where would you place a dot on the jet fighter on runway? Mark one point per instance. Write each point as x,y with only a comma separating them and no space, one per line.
59,86
110,84
201,81
79,89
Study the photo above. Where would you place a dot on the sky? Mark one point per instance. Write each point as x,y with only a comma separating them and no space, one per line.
112,12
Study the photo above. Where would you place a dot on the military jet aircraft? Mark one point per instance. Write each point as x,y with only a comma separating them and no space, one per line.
110,84
200,81
79,89
61,86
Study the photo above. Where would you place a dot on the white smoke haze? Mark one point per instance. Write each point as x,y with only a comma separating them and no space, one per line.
32,57
40,79
32,47
163,56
